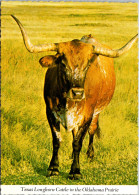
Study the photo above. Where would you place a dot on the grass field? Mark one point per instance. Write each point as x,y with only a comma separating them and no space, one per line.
26,136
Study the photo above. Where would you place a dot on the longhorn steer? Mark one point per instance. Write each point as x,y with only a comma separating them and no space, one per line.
79,84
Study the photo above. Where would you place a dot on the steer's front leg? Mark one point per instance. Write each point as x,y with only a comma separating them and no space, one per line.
75,167
77,145
55,128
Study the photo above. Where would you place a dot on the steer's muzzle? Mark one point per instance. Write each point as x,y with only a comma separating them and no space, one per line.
76,94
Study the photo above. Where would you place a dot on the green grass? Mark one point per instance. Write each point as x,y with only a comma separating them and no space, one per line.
26,136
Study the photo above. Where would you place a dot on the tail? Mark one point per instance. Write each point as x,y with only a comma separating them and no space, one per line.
98,131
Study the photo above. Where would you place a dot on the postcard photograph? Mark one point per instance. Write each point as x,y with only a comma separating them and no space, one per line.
69,85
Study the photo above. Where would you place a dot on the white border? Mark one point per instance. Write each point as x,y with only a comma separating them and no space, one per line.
70,189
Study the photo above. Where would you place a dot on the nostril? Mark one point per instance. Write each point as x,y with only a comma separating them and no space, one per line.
77,93
73,93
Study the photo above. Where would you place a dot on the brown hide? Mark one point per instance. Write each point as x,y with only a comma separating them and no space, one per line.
99,88
99,82
77,54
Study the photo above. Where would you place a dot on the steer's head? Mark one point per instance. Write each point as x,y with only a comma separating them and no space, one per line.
73,59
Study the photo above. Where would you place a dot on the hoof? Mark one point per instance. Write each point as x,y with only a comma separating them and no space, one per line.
75,176
52,172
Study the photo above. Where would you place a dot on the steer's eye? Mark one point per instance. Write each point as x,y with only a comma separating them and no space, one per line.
66,67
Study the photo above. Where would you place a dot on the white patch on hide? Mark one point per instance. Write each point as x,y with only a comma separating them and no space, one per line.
70,118
98,110
58,135
74,118
76,73
101,67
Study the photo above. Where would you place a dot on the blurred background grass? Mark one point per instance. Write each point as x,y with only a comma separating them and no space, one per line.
26,136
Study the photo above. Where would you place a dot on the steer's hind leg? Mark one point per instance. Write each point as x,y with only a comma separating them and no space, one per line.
55,128
94,128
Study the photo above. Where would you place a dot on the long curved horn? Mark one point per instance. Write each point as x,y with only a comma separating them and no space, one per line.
114,53
35,48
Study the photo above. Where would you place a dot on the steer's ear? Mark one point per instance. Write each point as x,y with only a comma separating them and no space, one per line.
48,61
